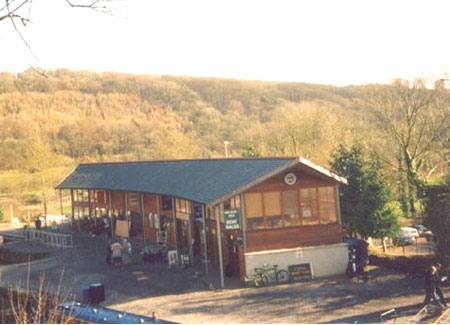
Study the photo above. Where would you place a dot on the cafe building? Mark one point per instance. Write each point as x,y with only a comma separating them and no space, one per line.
235,213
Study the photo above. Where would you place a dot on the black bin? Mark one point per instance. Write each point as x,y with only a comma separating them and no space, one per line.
96,293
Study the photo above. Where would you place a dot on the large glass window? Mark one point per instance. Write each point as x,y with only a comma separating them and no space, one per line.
327,205
290,208
305,206
253,205
183,206
309,209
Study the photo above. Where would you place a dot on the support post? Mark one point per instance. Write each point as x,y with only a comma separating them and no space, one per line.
95,209
174,224
110,214
90,208
219,242
244,228
191,225
158,211
205,239
11,213
244,223
73,209
61,202
125,200
143,215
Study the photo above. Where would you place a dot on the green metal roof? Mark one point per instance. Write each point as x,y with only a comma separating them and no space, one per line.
202,181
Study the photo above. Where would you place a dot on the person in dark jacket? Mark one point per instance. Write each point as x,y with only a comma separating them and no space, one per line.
431,282
438,281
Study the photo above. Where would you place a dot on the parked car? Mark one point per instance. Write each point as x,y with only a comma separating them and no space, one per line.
406,236
421,229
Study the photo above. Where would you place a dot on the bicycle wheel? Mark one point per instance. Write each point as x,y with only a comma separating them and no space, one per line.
261,280
282,276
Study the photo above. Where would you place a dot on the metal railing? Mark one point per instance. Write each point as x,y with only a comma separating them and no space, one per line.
52,239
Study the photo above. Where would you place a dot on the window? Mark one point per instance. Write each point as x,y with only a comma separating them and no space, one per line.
166,203
232,204
305,206
253,205
261,216
183,206
290,208
327,205
309,209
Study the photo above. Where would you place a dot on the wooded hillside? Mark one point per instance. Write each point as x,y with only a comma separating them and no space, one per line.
73,116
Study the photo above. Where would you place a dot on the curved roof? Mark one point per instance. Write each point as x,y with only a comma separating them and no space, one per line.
202,181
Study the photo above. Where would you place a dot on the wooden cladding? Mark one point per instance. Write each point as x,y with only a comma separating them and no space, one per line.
260,240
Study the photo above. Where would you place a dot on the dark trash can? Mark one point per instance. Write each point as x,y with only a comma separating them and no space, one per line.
97,293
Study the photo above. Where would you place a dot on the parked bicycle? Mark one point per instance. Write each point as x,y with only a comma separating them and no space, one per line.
266,274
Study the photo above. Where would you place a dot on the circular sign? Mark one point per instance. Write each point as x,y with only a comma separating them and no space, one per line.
290,179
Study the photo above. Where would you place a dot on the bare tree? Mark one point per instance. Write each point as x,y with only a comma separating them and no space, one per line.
414,116
18,13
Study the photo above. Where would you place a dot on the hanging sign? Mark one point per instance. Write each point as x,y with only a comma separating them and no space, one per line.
232,219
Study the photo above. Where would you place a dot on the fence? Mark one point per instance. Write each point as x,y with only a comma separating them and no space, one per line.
52,239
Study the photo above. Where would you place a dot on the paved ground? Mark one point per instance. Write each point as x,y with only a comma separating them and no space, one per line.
180,296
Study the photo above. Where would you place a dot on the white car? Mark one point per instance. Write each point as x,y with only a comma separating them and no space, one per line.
406,236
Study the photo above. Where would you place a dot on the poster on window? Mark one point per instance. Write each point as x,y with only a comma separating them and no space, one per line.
307,213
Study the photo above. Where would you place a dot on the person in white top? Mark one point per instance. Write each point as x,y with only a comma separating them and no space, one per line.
116,249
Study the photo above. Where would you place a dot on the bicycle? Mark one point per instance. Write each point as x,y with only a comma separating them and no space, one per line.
267,274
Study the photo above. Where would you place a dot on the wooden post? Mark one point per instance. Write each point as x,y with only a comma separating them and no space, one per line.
95,210
191,225
125,200
73,209
143,215
61,202
243,223
174,224
244,229
90,208
219,242
110,214
158,211
205,238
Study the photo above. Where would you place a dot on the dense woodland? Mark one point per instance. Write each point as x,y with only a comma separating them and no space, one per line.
54,121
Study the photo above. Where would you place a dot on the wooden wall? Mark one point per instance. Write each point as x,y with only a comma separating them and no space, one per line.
299,236
260,240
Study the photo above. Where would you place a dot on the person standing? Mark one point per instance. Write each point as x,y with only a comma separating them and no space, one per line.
438,281
116,249
430,286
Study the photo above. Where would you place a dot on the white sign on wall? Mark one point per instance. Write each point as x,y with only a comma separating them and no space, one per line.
290,179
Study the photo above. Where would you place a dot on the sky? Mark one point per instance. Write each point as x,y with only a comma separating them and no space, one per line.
328,42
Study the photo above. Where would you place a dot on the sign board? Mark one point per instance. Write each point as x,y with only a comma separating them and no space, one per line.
232,219
300,272
122,228
172,258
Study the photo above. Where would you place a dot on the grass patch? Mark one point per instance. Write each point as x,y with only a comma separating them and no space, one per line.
10,257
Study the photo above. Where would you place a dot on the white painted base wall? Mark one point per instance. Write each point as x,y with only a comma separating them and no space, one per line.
325,260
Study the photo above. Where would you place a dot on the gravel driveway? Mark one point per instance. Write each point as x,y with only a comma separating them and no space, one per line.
178,295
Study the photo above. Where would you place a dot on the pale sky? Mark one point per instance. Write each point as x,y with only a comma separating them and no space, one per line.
331,42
